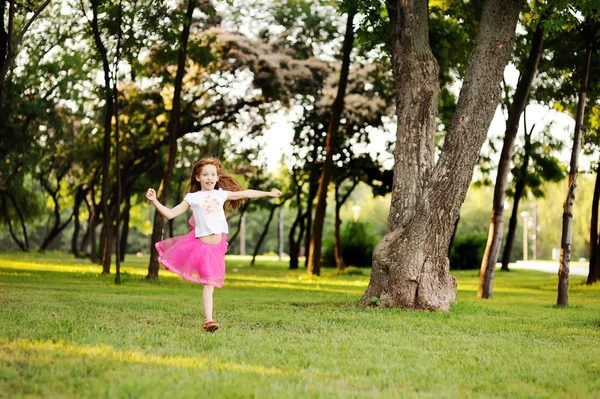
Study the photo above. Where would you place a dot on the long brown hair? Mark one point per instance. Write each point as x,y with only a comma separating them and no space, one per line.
226,181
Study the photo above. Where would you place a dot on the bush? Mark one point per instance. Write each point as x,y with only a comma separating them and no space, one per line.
467,251
358,244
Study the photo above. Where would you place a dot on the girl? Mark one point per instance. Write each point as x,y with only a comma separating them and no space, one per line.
199,256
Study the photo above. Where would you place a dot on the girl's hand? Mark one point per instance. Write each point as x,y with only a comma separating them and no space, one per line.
151,195
275,193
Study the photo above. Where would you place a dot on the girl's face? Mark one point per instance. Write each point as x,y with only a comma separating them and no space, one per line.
208,177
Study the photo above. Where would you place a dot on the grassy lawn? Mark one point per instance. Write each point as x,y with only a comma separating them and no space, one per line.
66,331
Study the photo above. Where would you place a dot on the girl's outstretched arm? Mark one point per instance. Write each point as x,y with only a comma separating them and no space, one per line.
169,213
236,195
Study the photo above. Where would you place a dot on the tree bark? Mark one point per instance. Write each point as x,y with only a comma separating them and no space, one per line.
594,273
316,241
567,220
163,190
410,264
496,230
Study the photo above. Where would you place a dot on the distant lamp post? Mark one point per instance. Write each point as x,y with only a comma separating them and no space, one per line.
356,211
525,216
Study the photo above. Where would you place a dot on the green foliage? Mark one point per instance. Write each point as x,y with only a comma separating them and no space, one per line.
358,243
467,251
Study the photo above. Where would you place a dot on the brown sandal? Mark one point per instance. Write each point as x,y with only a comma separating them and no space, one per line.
210,326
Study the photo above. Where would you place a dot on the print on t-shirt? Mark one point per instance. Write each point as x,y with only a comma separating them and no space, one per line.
211,205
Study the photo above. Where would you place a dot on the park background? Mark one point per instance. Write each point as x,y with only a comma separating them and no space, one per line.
101,99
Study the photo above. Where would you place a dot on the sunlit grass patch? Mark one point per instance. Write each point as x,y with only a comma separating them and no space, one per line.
68,331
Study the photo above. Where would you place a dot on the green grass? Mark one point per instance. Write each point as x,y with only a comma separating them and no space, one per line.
67,331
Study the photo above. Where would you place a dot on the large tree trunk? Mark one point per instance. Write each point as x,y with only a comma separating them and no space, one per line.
567,220
410,264
594,273
163,190
521,178
316,241
496,230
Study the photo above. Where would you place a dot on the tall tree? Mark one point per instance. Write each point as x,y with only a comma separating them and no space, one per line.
410,264
314,252
172,128
490,256
590,31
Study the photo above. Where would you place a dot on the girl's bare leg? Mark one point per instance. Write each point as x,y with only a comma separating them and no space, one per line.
207,302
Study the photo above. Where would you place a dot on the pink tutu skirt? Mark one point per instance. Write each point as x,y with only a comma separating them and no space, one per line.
193,259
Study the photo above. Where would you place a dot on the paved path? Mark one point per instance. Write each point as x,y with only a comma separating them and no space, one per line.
575,269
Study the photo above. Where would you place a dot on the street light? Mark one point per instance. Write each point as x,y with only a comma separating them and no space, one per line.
356,210
525,216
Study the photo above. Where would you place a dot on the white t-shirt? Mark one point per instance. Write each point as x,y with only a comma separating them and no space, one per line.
209,215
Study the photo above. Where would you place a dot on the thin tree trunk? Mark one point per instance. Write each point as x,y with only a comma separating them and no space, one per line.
163,190
410,264
117,149
519,190
23,245
594,273
109,109
340,264
92,225
567,225
316,241
295,244
57,227
262,236
337,239
512,225
243,209
496,230
312,192
79,197
125,225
